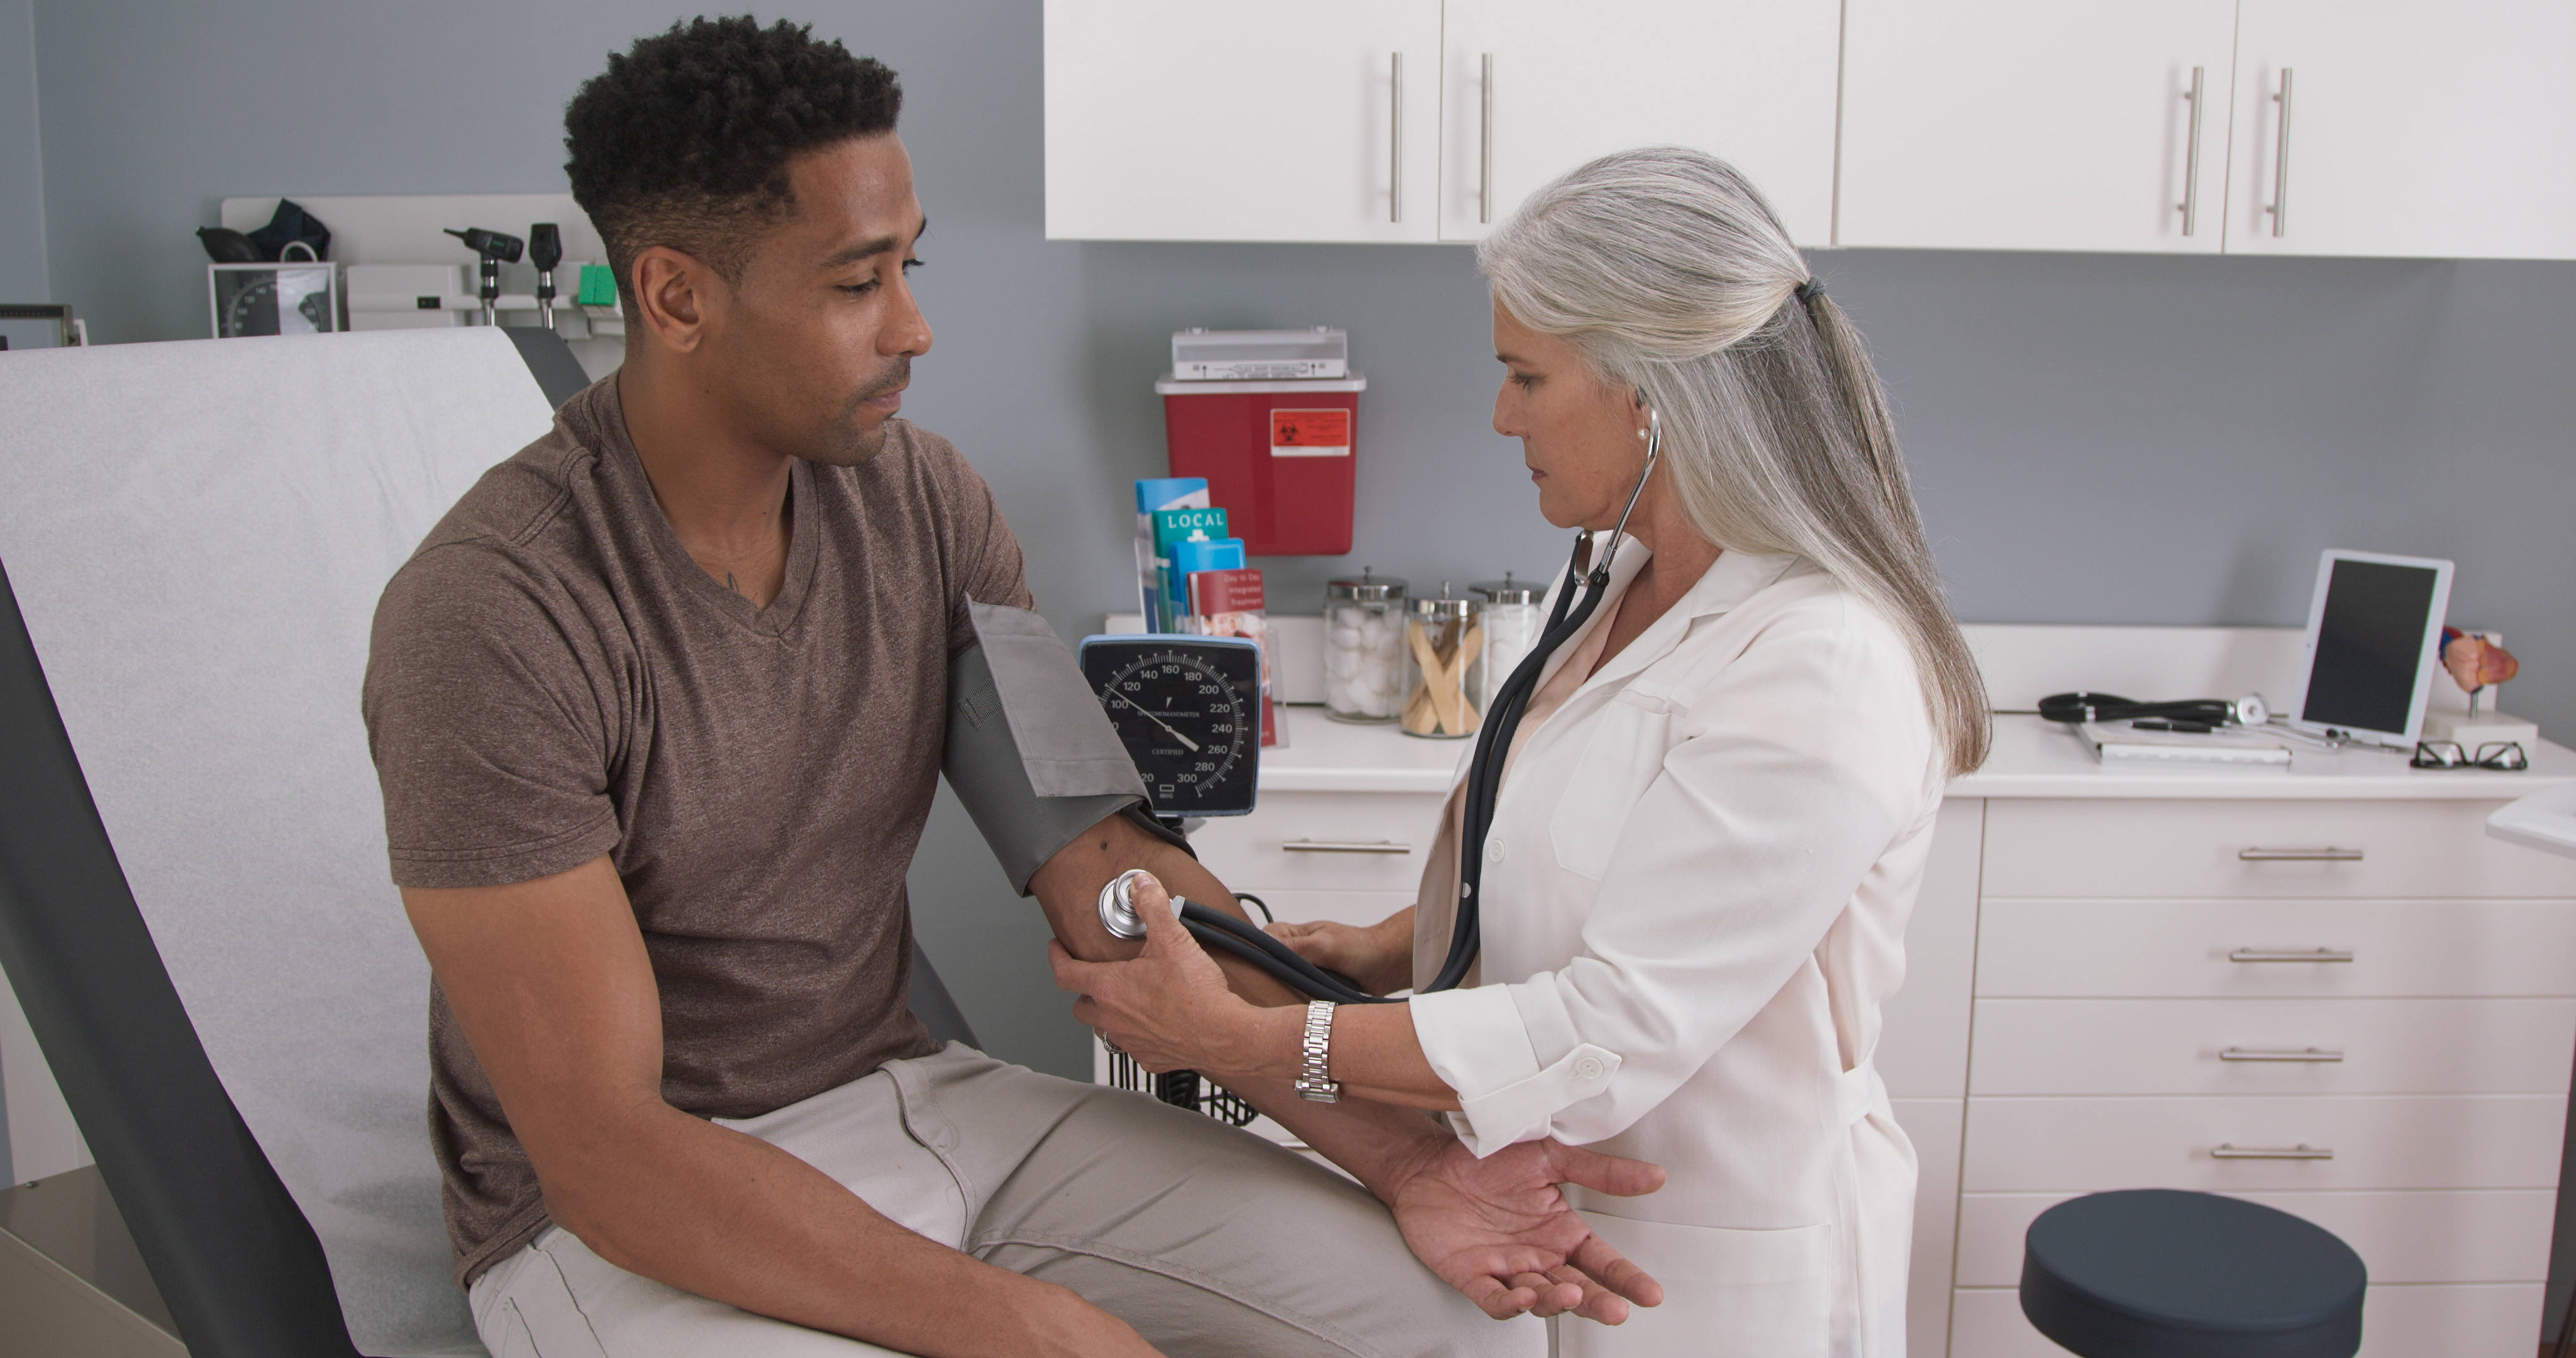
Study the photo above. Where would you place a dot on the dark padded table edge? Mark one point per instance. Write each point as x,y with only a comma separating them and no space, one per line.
233,1257
550,362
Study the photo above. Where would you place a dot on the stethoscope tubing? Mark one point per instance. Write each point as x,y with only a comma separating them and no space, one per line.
1215,929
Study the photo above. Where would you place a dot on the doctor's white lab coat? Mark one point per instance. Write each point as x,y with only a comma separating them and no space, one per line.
1696,889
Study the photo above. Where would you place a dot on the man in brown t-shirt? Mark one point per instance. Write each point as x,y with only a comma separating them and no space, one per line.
657,714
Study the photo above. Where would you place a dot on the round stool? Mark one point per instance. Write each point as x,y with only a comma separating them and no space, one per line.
2158,1271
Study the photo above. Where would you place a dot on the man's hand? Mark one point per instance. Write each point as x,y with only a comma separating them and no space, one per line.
1499,1230
1379,957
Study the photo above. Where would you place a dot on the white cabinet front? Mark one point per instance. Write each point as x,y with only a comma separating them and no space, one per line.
2393,127
1531,89
1185,120
2035,124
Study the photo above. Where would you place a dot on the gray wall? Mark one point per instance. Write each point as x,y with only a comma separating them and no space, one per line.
2096,439
22,189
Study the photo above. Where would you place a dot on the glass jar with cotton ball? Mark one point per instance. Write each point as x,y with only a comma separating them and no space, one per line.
1363,647
1510,613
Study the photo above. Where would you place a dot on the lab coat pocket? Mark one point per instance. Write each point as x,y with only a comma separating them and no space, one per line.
1727,1294
1619,763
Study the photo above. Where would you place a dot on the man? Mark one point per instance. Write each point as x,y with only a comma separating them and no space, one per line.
656,710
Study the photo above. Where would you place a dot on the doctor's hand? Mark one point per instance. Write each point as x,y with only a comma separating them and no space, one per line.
1379,957
1499,1230
1169,1007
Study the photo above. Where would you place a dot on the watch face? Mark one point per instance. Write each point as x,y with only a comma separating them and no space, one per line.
1189,712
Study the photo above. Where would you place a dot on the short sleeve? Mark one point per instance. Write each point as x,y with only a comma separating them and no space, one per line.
490,722
980,554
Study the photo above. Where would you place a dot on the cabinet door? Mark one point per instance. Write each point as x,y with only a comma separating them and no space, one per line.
1184,120
2409,129
2035,124
1750,80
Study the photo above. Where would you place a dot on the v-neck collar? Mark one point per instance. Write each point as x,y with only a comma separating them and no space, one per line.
1730,580
804,529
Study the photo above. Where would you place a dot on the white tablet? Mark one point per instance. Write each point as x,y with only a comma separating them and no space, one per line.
2374,645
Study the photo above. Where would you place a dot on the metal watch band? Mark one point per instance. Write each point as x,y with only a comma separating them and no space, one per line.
1315,1081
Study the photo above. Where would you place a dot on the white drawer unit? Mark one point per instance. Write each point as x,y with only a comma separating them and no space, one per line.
2272,1046
2141,849
1331,841
2234,1143
2256,949
2359,1010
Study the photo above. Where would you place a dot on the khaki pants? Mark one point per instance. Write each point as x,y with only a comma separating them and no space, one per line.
1207,1239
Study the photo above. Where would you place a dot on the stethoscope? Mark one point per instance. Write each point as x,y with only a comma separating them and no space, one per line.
1218,931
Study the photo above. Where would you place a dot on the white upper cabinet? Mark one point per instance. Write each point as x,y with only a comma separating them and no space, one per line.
2399,127
2036,124
1216,120
1532,88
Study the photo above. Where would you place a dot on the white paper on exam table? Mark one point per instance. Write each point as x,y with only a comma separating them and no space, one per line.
2122,744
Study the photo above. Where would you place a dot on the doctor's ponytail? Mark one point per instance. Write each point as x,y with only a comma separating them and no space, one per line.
1669,273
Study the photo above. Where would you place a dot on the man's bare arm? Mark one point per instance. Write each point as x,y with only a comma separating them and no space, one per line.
552,985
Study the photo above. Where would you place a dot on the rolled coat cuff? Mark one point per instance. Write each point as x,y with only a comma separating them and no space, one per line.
1480,1046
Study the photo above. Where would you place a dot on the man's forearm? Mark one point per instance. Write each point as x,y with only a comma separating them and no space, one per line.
727,1216
1068,889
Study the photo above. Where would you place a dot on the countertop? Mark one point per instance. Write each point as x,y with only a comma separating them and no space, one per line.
2031,758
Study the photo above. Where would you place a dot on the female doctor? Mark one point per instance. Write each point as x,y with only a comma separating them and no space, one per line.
1718,804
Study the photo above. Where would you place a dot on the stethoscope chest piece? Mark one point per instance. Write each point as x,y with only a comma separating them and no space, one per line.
1118,906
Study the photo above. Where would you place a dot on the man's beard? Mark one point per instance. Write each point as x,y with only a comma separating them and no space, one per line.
848,446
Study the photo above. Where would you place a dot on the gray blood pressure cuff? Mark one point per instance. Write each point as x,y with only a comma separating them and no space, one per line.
1028,749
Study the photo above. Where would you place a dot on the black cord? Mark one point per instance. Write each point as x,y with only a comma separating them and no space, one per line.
1258,904
2079,707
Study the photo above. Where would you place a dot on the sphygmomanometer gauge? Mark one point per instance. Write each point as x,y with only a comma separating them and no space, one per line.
1189,711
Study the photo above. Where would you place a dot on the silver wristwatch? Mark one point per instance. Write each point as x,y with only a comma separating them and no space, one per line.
1315,1081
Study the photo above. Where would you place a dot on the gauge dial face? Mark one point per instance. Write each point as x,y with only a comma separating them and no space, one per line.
1185,725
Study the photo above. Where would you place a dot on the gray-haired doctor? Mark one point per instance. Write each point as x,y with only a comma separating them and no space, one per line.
1718,803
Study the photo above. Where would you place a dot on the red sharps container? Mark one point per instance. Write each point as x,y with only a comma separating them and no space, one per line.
1270,418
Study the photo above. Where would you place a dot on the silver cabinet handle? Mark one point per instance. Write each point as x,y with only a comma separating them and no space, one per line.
1485,146
2280,208
2301,1151
2299,855
1395,139
2288,955
2191,156
2278,1054
1344,846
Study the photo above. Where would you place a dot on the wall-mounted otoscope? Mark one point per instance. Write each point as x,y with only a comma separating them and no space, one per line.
545,250
494,250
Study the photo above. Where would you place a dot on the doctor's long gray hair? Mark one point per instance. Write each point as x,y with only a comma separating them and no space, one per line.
1671,275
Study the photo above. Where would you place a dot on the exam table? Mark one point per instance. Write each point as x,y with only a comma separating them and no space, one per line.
195,911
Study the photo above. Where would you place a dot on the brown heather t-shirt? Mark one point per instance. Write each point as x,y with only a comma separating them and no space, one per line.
552,678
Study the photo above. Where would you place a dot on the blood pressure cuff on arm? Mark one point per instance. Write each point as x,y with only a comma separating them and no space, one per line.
1028,749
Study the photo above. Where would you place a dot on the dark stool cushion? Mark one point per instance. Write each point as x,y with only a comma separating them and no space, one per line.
2156,1271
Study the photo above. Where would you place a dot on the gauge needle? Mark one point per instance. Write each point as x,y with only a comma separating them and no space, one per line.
1158,721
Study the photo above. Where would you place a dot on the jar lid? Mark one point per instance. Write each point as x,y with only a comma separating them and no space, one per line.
1370,588
1507,591
1442,609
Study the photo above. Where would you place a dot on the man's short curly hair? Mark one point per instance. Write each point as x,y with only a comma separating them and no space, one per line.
684,140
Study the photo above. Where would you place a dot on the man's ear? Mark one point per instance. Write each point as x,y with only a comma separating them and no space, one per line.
678,296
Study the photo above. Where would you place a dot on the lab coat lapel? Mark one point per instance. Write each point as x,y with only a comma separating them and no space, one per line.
1730,580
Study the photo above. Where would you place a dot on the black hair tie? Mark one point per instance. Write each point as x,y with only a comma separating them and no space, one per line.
1810,290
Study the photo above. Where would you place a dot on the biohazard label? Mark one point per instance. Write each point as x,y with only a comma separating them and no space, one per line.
1310,433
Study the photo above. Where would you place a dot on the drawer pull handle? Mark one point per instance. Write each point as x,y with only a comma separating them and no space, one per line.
2289,955
2299,855
1344,846
2301,1151
2278,1054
